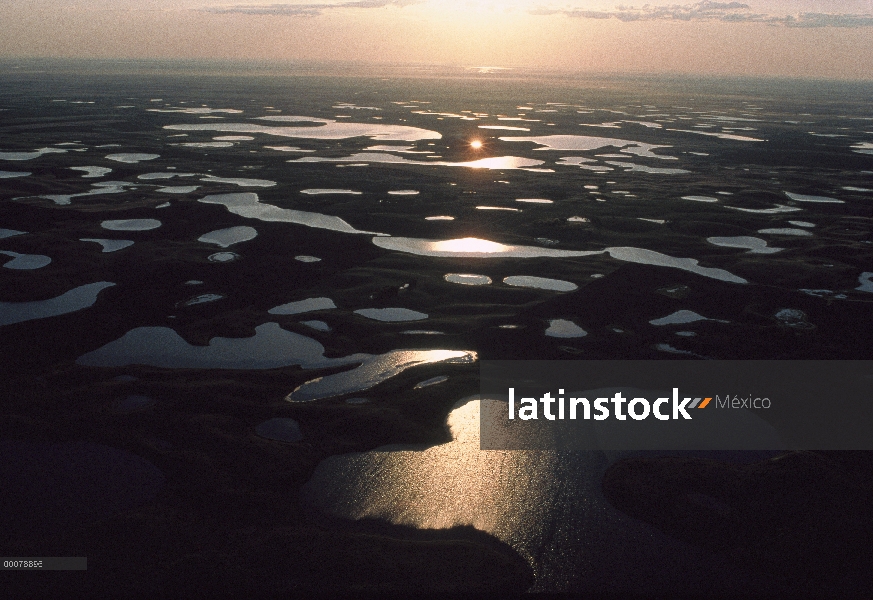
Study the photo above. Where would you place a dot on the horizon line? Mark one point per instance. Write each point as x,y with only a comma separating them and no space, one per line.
494,71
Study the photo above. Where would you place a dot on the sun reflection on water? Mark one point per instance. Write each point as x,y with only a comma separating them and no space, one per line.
468,244
450,485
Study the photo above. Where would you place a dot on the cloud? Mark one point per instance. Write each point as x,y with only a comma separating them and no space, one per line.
828,20
301,10
730,12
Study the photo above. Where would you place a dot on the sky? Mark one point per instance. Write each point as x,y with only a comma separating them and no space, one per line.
789,38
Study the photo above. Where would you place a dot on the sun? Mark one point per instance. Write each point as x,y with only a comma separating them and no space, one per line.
475,144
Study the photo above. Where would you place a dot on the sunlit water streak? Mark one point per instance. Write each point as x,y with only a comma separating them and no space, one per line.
817,199
540,283
287,149
323,129
479,248
196,111
328,191
248,205
467,279
587,142
205,145
240,181
374,370
495,162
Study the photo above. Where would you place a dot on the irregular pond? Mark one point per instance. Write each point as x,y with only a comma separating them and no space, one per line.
540,283
131,224
109,245
467,279
230,236
562,328
303,306
25,262
391,315
247,205
74,300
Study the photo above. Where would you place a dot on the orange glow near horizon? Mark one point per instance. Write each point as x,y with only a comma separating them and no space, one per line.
508,35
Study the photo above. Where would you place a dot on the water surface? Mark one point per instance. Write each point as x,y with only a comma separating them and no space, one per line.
467,279
323,129
25,262
547,505
391,315
74,300
92,172
817,199
303,306
681,317
131,224
562,328
248,205
30,155
540,283
480,248
753,244
229,236
223,257
132,157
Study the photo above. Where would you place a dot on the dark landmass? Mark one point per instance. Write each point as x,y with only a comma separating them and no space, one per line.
218,509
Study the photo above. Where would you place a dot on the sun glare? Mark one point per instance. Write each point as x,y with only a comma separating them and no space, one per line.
475,144
468,244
